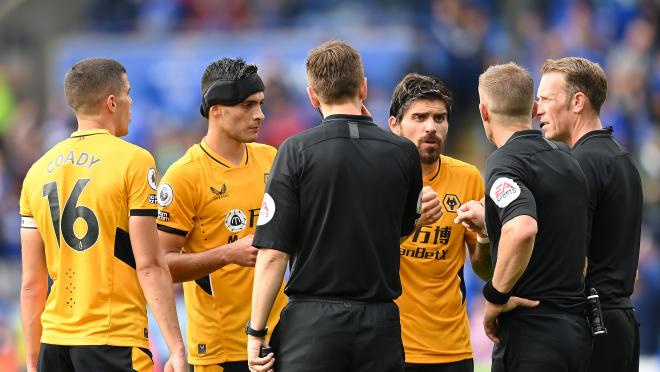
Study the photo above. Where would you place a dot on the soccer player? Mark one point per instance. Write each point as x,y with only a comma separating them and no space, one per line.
571,93
88,222
209,205
434,323
340,197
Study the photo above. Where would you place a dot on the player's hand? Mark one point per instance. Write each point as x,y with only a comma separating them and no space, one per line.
241,252
176,363
365,111
492,311
472,216
255,363
431,209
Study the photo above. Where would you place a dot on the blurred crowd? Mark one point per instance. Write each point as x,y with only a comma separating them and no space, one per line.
452,39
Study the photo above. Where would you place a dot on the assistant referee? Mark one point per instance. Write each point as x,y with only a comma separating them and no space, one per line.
536,217
571,93
339,198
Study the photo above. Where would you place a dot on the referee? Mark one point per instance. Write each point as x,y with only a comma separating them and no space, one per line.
536,218
339,198
571,93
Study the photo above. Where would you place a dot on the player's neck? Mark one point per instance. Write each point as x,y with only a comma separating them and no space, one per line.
93,123
226,147
430,167
502,132
347,108
584,125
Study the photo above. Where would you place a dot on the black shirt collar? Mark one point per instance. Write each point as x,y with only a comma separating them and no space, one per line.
345,117
524,133
606,132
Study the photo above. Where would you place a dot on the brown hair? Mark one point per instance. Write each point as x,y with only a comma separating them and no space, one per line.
509,89
415,86
90,81
335,72
582,75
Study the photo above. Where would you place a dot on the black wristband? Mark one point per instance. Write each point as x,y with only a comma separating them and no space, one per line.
494,296
253,332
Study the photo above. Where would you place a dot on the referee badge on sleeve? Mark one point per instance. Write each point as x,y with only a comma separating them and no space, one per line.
504,191
267,210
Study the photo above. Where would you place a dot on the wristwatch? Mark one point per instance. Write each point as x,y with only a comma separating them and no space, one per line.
253,332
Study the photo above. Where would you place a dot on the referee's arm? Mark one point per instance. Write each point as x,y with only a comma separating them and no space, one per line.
515,250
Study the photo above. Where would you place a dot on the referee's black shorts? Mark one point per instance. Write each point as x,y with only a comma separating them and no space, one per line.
58,358
618,350
542,341
335,335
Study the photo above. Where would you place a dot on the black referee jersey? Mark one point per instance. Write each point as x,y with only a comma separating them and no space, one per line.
530,176
615,192
341,196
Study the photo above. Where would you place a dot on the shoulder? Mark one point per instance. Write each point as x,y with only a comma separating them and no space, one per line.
185,166
260,149
460,166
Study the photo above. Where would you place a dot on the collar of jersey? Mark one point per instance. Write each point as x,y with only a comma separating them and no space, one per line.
219,159
605,132
524,133
346,117
89,132
433,175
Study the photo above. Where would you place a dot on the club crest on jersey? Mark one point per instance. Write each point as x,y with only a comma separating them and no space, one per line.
219,193
165,195
451,202
504,191
267,210
235,220
151,178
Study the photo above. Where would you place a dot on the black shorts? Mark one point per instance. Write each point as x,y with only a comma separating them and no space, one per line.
466,365
327,335
540,342
58,358
618,350
241,366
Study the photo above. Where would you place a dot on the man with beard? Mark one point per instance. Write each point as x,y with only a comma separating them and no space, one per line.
434,323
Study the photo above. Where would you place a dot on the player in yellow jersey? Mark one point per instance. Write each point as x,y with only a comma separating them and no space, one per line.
434,323
88,222
209,204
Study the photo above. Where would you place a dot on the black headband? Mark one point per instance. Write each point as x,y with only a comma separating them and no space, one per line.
230,92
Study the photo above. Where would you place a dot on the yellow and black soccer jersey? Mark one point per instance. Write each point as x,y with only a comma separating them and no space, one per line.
79,196
434,321
205,198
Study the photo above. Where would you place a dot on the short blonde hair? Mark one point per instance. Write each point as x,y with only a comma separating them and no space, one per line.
335,72
509,90
582,75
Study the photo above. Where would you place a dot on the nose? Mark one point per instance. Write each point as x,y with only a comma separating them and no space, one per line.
259,114
429,126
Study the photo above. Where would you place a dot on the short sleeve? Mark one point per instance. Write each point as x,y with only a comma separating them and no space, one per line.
280,208
24,202
141,184
411,214
176,202
508,189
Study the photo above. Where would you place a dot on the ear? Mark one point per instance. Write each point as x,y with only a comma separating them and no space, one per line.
579,102
215,111
313,98
395,126
535,109
483,111
363,90
110,103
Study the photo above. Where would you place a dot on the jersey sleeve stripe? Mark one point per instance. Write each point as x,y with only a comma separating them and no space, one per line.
172,230
27,222
144,212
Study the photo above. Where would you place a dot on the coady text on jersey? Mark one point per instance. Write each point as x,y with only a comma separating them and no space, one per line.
83,160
